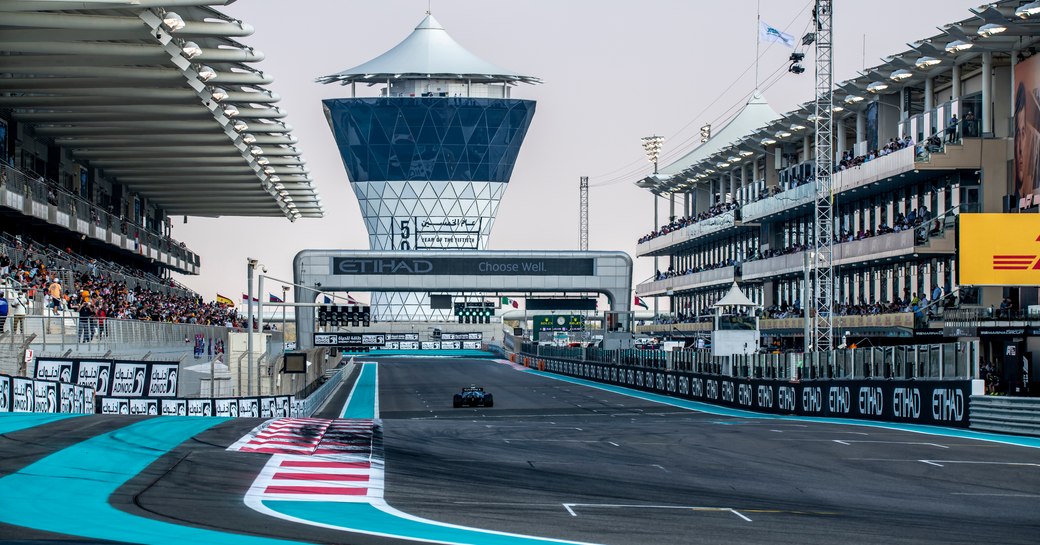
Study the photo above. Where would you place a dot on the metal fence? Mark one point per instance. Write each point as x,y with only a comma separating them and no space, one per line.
933,361
68,332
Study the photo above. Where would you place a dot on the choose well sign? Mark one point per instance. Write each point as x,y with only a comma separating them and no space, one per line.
999,249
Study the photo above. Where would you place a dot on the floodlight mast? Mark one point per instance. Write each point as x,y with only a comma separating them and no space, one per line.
822,256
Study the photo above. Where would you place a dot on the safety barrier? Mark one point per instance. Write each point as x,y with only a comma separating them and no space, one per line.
27,395
1004,414
309,405
234,407
936,402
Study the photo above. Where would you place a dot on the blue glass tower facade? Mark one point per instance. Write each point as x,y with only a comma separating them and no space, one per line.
406,138
429,159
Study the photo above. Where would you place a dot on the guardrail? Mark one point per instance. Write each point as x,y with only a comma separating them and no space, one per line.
1004,414
309,405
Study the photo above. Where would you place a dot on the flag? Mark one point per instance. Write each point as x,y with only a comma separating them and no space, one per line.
274,298
327,301
641,303
221,300
245,299
770,34
510,302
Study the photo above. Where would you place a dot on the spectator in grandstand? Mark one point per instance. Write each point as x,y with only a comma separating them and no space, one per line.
19,308
54,292
970,124
3,176
86,325
951,129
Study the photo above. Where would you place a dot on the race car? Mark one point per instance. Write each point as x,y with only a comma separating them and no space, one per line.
473,396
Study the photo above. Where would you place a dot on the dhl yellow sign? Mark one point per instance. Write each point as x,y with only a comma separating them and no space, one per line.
999,249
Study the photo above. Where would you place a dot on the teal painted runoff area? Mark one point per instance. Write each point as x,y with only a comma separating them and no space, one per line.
362,400
68,491
367,518
1031,442
12,422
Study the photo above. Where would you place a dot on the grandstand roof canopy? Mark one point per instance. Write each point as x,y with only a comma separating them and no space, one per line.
428,52
927,58
160,96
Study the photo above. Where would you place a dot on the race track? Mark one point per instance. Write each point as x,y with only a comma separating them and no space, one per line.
553,459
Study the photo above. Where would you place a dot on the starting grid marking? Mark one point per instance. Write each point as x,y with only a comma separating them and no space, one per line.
315,459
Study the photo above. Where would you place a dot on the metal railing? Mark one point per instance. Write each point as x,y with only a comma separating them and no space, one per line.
934,361
68,331
39,189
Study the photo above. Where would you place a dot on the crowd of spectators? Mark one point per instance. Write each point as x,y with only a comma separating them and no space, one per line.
679,223
35,287
672,273
848,160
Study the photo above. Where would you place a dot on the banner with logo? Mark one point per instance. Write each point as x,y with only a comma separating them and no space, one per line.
94,374
5,394
54,369
247,407
144,407
23,398
936,402
113,378
162,380
174,407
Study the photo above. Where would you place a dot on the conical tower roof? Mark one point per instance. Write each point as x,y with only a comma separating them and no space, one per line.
428,52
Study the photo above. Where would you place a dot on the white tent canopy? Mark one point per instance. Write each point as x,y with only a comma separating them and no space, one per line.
735,298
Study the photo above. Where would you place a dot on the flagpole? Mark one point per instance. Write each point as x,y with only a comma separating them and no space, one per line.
758,27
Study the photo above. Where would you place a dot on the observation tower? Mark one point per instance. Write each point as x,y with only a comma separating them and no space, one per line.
430,154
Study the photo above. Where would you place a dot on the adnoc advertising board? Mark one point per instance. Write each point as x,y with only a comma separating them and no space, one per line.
999,249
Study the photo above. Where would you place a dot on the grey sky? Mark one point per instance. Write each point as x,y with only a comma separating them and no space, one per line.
614,71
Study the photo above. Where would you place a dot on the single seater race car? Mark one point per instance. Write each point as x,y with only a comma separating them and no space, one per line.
473,396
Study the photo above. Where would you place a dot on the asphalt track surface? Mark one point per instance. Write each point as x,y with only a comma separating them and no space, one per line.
552,459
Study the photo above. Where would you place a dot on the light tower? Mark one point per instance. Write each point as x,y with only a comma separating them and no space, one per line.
429,158
822,256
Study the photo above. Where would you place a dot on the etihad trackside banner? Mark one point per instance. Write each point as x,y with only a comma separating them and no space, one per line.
935,402
26,395
112,377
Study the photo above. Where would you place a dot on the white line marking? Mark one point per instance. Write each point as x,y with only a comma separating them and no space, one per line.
997,495
661,467
737,513
613,443
841,442
930,463
567,506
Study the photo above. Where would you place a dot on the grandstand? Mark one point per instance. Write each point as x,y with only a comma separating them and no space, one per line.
920,139
115,118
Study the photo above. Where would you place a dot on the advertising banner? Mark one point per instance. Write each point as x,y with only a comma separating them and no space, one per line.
129,379
913,401
200,407
67,396
46,393
94,374
430,345
23,398
54,369
115,405
226,407
162,380
1027,130
144,407
248,407
999,249
471,345
5,394
173,407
